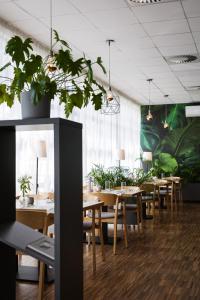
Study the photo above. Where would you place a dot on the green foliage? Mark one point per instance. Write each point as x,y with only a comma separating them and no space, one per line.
138,176
71,80
25,184
181,140
116,175
18,49
166,164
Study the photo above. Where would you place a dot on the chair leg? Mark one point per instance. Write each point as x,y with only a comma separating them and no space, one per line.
93,243
101,236
125,226
102,244
41,281
115,236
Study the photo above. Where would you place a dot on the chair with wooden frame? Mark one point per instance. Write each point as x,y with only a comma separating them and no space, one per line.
38,220
168,193
112,216
90,227
134,207
150,195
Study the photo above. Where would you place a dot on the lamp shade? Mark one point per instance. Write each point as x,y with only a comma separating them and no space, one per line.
147,156
41,150
121,154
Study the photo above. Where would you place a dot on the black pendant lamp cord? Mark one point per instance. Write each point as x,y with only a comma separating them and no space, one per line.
51,29
109,64
149,92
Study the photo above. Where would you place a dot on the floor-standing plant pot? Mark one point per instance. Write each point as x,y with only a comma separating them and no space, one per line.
30,110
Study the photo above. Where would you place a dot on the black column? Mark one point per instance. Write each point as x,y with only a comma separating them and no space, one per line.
68,211
7,211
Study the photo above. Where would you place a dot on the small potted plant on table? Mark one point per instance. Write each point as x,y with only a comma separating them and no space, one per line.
25,188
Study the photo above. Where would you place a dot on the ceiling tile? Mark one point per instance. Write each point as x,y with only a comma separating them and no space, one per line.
178,50
197,36
173,40
125,33
192,8
186,67
106,19
166,27
159,12
67,23
194,23
41,9
34,26
11,13
95,5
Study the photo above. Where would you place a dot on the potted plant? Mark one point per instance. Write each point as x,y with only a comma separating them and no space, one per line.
36,81
25,188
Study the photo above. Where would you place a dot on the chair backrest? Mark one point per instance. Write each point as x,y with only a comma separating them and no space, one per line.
107,198
36,219
89,197
148,187
50,195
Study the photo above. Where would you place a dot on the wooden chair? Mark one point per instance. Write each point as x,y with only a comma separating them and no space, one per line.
112,216
134,207
90,227
168,193
150,195
38,220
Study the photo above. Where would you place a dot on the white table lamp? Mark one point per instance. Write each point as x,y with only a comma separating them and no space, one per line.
41,152
121,155
147,156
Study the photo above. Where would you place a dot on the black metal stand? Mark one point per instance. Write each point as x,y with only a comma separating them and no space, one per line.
68,259
37,185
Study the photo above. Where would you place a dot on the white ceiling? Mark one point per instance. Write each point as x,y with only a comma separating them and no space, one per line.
143,35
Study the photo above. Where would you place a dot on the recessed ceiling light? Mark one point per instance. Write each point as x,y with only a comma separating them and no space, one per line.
143,2
146,1
182,59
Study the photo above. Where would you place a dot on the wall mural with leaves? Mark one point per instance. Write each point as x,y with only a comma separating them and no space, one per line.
176,149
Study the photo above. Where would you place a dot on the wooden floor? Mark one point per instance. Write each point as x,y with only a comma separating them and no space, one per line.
161,263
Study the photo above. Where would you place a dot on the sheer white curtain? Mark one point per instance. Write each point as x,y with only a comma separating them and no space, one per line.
102,136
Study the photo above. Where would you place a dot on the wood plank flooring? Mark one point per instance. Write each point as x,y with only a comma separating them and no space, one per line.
161,263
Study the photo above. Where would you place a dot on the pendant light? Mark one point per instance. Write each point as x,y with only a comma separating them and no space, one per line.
51,67
165,124
111,101
149,116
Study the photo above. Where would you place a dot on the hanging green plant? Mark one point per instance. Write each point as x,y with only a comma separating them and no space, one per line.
58,75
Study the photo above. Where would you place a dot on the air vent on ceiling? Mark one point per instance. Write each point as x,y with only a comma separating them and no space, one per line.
147,2
193,88
192,111
182,59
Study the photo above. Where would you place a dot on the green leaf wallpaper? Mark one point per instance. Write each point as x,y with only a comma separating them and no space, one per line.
181,140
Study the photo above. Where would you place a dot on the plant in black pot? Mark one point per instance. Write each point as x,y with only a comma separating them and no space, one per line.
36,81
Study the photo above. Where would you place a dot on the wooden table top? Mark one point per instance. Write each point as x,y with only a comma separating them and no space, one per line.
48,206
125,192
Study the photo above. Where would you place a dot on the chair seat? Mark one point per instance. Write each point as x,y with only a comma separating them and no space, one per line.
105,215
131,206
163,192
87,225
147,197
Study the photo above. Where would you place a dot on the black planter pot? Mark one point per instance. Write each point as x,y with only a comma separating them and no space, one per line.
191,192
30,110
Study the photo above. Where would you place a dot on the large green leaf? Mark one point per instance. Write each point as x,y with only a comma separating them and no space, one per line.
19,50
166,163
